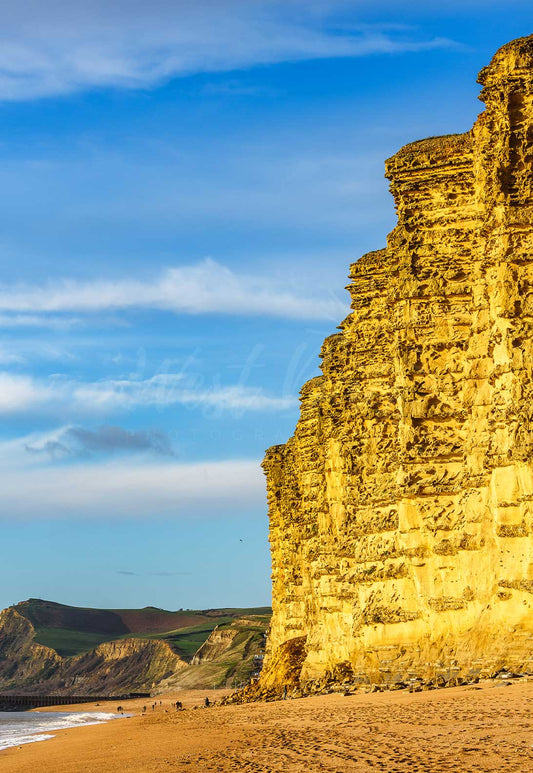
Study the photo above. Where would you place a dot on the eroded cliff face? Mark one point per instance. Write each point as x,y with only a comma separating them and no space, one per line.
113,667
229,657
218,642
401,515
21,659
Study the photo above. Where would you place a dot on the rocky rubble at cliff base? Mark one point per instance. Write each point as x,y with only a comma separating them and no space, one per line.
255,693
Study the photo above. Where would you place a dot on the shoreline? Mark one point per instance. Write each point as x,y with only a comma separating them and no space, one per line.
104,712
18,728
134,706
486,727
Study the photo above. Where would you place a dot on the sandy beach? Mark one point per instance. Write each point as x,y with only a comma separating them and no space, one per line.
476,728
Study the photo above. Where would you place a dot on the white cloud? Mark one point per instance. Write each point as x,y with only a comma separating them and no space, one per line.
35,485
20,393
38,321
59,47
170,389
131,490
206,287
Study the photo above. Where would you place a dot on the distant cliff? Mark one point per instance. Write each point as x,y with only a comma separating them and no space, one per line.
22,661
48,648
401,512
112,668
231,655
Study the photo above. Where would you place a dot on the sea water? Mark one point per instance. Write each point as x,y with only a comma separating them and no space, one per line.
18,727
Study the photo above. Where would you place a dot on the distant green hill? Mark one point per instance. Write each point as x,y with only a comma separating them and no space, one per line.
49,647
75,630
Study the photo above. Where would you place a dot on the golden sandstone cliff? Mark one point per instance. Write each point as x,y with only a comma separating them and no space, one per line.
401,512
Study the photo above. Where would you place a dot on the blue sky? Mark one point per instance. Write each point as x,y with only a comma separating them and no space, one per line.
183,187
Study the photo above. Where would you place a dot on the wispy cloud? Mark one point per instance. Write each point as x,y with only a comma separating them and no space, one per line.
152,574
131,490
10,358
60,47
72,442
206,287
38,321
19,393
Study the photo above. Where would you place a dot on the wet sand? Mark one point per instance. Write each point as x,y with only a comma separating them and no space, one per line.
482,728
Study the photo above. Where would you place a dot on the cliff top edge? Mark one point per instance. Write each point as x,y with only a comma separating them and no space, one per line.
512,62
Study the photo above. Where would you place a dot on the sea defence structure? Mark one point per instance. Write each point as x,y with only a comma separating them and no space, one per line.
401,511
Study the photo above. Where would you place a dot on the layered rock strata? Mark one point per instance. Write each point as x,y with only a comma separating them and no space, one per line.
113,667
401,511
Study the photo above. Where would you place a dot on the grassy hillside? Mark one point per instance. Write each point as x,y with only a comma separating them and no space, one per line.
227,659
67,642
189,639
76,630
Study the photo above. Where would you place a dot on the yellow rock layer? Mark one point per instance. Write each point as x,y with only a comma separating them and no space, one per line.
401,509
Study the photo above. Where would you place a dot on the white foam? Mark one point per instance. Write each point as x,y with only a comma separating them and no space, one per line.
6,743
17,728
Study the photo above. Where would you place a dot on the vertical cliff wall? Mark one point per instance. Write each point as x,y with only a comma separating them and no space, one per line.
401,520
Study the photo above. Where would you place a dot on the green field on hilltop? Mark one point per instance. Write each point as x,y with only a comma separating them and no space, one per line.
76,630
67,642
